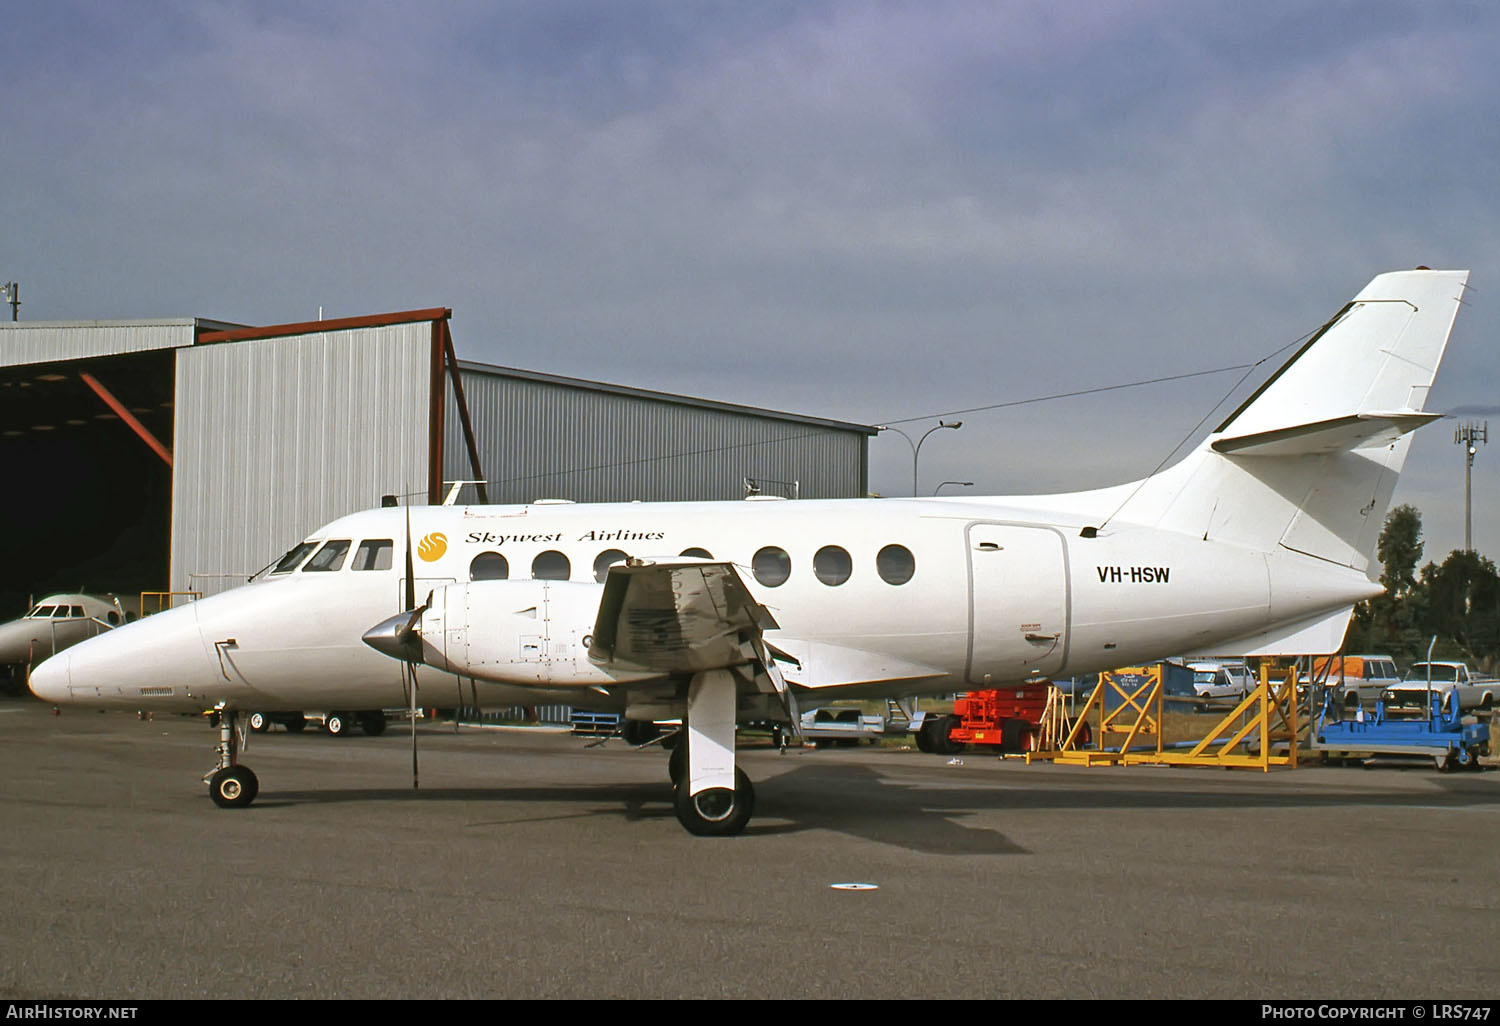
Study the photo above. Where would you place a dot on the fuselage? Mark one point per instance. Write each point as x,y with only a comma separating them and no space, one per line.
871,597
55,623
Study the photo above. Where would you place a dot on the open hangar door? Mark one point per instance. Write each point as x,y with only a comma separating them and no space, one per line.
86,496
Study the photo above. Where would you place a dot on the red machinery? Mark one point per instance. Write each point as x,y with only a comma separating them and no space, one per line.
1007,719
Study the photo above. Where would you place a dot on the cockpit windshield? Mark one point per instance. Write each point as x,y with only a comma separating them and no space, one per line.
289,562
41,611
330,557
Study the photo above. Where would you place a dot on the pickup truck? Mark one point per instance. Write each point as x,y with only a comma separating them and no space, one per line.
1474,691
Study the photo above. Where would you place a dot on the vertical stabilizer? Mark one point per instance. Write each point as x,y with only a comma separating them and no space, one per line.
1309,461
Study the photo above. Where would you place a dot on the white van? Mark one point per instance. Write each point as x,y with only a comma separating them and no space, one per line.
1221,679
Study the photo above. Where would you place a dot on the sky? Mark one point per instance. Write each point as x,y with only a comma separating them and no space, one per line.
873,212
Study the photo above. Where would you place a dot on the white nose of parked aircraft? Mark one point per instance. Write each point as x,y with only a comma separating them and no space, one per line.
49,678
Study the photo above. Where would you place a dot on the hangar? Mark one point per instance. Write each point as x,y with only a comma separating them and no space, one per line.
184,454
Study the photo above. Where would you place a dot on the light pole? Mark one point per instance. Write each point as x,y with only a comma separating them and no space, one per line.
1466,436
916,447
961,484
12,293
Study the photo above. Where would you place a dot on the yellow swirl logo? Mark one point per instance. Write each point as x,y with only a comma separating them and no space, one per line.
433,546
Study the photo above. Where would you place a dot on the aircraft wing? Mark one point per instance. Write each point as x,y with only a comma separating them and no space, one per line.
678,618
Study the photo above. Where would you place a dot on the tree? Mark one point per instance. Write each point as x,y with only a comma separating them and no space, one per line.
1389,623
1463,604
1400,549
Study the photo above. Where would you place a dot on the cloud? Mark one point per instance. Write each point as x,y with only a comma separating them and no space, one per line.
864,211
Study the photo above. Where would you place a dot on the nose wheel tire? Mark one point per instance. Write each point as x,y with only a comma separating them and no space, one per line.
233,788
718,811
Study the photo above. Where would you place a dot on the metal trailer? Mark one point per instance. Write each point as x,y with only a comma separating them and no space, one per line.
847,726
1452,740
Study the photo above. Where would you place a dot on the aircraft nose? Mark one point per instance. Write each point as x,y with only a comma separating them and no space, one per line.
49,678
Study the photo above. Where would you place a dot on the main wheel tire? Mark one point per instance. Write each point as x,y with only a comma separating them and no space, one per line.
336,724
234,787
296,723
372,723
718,811
259,722
677,764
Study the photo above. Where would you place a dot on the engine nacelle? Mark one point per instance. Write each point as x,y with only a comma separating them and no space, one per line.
516,632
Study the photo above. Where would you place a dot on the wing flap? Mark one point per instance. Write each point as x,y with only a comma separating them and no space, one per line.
676,617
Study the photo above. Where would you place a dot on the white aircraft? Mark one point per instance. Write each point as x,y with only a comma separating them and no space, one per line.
1258,542
55,623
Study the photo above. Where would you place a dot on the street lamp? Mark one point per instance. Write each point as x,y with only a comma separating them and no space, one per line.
916,447
961,484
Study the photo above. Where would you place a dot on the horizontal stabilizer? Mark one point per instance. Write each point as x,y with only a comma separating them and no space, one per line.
1341,434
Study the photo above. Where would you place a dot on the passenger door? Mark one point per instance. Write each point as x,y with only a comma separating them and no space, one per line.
1018,603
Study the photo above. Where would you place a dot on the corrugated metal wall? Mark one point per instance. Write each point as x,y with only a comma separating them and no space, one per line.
53,341
542,439
277,436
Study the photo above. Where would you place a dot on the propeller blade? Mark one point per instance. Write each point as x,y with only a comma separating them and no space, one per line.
411,582
412,712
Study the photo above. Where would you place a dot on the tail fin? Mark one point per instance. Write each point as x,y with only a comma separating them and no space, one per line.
1310,460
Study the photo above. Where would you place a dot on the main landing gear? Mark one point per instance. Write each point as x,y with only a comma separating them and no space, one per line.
710,794
231,785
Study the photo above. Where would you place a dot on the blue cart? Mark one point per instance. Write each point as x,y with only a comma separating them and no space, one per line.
1443,734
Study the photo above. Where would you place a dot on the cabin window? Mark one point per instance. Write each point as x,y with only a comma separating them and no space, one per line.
289,562
374,554
771,566
550,566
603,560
832,565
329,558
895,564
697,553
489,566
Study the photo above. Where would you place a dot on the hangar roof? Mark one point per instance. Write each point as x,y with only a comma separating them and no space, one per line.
28,342
668,397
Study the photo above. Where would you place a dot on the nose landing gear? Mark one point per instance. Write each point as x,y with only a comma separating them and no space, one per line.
230,785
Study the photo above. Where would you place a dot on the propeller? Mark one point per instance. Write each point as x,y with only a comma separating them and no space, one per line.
409,638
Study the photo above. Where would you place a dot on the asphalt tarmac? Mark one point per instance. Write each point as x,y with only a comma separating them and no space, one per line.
530,866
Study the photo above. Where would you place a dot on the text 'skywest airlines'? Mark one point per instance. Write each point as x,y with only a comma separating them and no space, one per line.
1259,542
